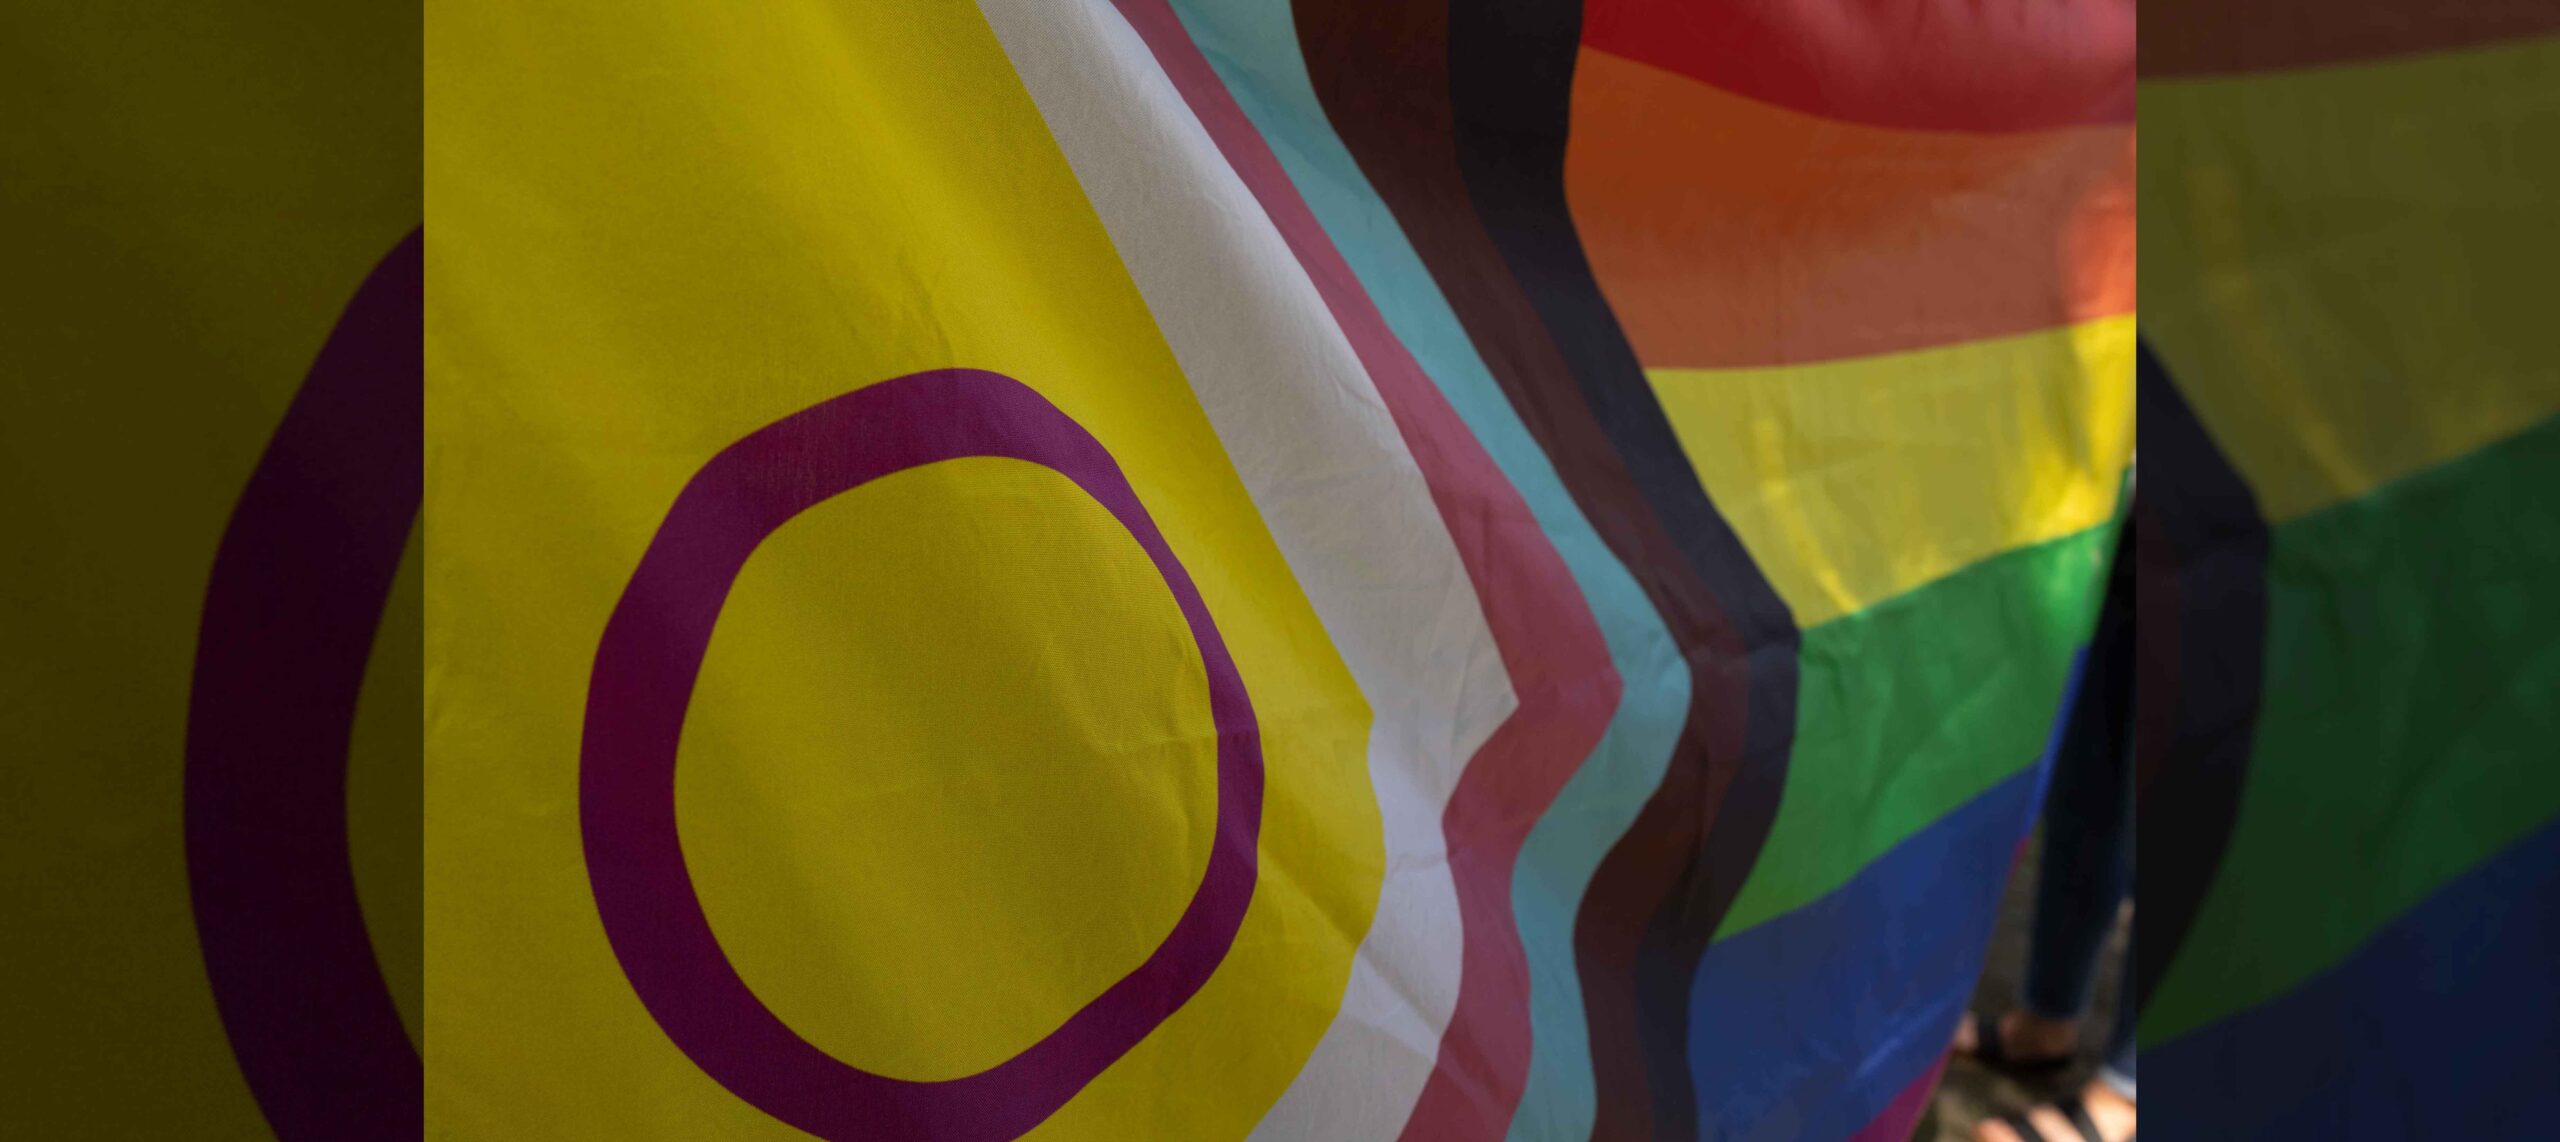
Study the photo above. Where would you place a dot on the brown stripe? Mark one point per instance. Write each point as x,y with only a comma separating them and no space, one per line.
1511,65
2200,638
1551,647
1383,74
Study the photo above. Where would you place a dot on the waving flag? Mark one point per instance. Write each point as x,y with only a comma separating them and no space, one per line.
1206,568
2350,815
210,434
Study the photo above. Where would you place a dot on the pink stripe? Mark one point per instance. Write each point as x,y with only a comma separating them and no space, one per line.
1559,666
1900,1115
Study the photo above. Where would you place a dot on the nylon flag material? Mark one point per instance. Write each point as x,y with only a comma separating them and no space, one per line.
210,655
1249,568
2350,816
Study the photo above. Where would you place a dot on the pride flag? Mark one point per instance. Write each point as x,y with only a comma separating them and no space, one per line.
210,462
2350,398
1078,569
1061,568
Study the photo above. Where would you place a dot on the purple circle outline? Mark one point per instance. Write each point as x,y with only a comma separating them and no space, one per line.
299,585
645,667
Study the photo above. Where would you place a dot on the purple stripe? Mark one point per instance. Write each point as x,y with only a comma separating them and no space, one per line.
1813,1024
645,668
1899,1117
296,596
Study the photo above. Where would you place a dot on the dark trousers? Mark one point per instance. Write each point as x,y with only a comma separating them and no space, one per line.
2087,864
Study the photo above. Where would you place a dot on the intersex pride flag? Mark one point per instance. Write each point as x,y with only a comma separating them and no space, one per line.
210,431
1318,570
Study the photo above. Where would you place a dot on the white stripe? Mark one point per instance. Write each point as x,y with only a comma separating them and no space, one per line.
1340,493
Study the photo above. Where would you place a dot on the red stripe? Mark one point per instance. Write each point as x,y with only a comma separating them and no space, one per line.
1728,233
1550,644
1990,66
2215,37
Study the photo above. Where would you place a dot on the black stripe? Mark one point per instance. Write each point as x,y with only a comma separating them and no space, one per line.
2201,619
1511,77
1380,69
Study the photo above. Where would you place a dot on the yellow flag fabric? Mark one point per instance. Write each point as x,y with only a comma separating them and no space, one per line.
976,569
209,435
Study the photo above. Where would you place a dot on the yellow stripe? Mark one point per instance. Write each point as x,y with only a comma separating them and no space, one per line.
656,228
1854,481
2349,268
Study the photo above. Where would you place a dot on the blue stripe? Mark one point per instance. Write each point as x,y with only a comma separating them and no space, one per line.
1807,1026
2446,1024
1253,46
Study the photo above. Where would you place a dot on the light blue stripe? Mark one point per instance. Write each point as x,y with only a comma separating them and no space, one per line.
1253,46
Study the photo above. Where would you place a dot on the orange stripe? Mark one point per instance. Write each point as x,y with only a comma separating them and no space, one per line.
1938,65
1729,233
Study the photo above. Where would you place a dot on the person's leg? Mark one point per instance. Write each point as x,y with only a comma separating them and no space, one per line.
2087,863
2084,877
2111,1115
2108,1099
2116,1068
2106,1102
2086,867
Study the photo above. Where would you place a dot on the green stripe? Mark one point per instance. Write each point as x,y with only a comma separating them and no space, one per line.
1911,707
2407,729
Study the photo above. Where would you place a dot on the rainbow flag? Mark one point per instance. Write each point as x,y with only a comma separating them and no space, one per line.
1064,568
2350,394
1206,569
